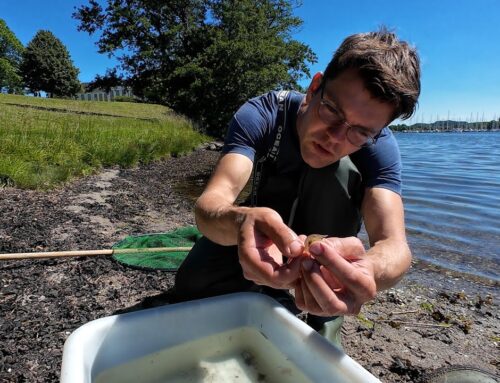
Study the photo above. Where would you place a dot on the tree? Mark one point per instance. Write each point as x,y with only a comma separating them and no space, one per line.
110,80
11,51
203,58
47,67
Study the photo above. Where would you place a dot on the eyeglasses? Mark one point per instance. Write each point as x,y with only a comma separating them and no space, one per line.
331,116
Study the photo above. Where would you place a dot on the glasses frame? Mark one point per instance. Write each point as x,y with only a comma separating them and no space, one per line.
371,140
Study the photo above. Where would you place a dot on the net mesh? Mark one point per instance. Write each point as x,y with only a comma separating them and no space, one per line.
164,260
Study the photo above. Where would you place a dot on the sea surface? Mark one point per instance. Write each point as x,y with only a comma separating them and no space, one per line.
451,192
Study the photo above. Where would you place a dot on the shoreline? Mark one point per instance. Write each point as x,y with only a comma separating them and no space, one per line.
446,131
43,301
424,272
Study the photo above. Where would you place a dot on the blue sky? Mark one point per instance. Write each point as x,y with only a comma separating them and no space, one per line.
458,42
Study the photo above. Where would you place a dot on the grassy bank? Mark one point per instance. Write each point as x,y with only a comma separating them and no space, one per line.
44,142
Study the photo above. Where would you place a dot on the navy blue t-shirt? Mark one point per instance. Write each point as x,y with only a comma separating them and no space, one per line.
252,131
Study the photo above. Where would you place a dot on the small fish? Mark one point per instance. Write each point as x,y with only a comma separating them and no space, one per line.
311,239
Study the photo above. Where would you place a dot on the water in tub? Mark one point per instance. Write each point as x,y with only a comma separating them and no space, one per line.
239,355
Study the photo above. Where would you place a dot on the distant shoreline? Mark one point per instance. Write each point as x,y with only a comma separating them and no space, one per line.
448,126
446,131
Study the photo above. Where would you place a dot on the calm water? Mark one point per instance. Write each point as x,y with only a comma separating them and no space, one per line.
451,190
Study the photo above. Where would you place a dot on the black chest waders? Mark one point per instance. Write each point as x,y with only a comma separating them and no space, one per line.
312,201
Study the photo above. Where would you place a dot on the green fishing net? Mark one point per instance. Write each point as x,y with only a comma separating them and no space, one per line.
163,260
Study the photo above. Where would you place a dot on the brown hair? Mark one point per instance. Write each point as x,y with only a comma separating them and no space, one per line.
390,68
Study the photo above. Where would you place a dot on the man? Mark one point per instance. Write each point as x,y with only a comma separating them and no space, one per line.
321,162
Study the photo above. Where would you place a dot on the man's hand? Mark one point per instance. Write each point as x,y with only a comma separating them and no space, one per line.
263,241
338,279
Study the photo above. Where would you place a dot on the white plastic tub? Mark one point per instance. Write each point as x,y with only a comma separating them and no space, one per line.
241,337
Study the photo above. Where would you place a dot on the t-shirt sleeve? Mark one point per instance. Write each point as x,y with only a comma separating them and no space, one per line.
249,128
380,164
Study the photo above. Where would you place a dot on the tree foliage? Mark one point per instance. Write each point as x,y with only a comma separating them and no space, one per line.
203,58
11,51
47,66
110,80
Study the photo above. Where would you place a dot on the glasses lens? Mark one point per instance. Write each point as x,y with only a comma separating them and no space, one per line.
328,114
359,137
331,117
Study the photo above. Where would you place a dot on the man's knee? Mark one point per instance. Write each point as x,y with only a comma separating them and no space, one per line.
209,269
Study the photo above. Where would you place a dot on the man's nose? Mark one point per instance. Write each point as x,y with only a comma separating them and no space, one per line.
337,133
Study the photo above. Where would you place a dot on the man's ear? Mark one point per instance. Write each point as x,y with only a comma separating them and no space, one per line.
314,86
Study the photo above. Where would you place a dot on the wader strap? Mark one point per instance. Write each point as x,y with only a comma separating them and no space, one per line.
273,152
293,210
344,173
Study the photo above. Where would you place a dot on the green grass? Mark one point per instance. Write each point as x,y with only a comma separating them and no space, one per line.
121,109
42,147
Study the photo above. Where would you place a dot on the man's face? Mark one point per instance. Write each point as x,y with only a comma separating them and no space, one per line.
323,126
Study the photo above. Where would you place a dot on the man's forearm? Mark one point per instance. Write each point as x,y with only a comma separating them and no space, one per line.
216,215
219,220
383,215
392,259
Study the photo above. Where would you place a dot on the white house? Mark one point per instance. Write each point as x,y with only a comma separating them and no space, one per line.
101,95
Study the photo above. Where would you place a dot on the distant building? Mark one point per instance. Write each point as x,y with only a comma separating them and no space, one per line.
101,95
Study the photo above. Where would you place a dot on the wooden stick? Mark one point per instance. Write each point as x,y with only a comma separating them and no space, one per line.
417,324
86,253
404,312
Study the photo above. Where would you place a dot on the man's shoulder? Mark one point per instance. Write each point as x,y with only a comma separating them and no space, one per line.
380,164
253,127
270,101
260,113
